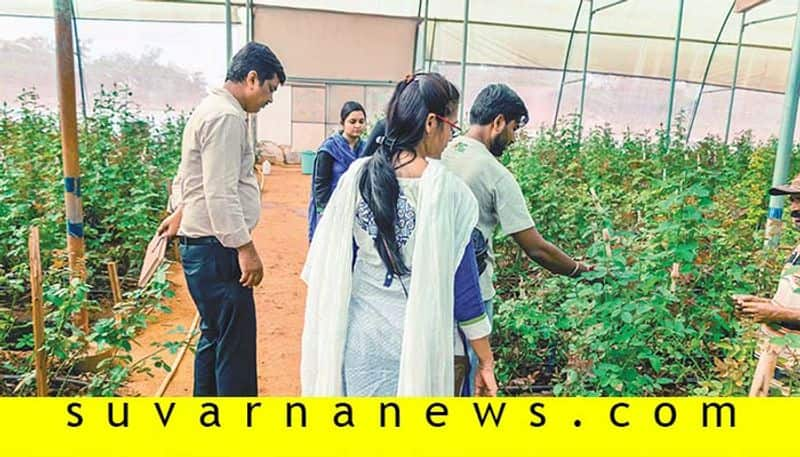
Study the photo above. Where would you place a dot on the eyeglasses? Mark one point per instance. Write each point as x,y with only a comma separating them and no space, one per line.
454,128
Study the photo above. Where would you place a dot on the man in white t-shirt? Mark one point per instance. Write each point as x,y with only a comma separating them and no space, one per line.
494,118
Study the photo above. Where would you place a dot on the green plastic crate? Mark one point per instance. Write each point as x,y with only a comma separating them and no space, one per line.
307,161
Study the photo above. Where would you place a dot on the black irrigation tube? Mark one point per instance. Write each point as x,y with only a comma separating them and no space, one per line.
529,389
17,377
59,381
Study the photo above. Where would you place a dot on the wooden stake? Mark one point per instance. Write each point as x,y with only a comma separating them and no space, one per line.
37,302
181,352
675,274
596,200
113,278
607,242
765,371
606,233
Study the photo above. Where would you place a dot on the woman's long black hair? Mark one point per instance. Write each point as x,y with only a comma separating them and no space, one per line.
406,115
375,138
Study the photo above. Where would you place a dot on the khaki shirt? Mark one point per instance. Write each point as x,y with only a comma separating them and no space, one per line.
215,183
787,293
500,199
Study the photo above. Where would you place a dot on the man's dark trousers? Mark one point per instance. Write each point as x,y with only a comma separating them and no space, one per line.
225,361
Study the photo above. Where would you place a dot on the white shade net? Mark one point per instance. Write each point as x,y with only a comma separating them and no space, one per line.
525,43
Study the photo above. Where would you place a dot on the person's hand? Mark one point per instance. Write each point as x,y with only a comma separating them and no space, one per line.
587,268
170,225
757,308
739,298
580,268
250,264
485,383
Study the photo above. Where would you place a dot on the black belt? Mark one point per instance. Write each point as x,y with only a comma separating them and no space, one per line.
198,241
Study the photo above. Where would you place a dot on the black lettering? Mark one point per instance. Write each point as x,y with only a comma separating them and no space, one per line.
441,411
250,408
613,415
347,413
718,408
489,410
538,415
72,410
124,422
213,413
289,408
673,414
164,419
396,408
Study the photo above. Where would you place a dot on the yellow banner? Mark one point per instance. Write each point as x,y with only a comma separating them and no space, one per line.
398,427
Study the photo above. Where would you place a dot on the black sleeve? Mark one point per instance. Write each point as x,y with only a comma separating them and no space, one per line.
323,178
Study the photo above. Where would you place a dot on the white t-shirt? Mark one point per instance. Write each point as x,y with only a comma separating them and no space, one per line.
500,199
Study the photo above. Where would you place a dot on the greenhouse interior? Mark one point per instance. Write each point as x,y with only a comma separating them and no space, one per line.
654,133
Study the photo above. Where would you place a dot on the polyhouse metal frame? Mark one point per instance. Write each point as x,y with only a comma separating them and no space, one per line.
785,140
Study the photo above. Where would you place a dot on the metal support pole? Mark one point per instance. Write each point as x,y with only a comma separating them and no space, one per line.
464,63
674,70
65,66
566,63
433,46
297,81
249,30
416,53
585,67
228,34
425,34
327,109
81,80
250,35
770,19
610,5
705,74
713,91
735,79
785,140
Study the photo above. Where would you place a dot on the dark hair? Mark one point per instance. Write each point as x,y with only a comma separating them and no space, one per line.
372,144
494,100
348,108
412,101
255,57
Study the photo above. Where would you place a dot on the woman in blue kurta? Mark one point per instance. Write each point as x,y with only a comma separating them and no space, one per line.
334,157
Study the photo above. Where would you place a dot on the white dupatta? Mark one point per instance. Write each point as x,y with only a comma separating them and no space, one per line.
446,214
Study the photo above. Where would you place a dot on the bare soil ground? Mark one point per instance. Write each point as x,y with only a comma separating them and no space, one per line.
282,243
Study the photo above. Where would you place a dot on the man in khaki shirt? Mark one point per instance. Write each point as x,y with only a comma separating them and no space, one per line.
217,204
779,314
784,308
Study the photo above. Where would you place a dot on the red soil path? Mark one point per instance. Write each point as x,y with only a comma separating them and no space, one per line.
281,241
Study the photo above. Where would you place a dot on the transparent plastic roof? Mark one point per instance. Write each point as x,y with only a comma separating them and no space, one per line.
632,38
130,10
